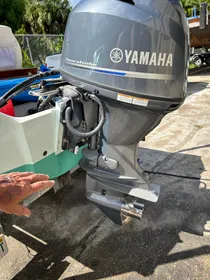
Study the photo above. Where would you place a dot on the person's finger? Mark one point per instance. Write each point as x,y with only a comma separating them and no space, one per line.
19,174
39,186
12,173
33,178
18,177
6,180
20,210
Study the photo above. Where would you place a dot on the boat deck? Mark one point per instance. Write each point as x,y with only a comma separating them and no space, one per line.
198,37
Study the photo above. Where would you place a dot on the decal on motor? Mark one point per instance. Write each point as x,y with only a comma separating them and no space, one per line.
142,58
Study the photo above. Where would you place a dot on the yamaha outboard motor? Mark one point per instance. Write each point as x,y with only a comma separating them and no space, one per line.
128,63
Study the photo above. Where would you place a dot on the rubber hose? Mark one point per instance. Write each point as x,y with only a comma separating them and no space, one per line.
95,130
24,84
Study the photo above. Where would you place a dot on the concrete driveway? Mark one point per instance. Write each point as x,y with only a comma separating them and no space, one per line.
69,238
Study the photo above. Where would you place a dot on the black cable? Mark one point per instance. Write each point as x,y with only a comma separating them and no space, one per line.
95,130
174,175
18,88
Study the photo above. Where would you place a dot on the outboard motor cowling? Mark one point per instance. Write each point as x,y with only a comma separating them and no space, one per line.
139,49
133,56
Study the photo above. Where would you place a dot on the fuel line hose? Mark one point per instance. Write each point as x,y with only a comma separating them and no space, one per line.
96,129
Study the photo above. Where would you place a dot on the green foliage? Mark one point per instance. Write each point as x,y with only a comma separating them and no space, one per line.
26,60
21,30
36,48
46,16
189,4
12,13
35,16
192,66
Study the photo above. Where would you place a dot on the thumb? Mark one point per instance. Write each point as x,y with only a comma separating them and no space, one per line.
21,210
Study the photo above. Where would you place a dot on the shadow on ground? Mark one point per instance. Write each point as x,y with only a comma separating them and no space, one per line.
183,206
195,87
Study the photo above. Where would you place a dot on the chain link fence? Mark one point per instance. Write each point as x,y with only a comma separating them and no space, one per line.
36,47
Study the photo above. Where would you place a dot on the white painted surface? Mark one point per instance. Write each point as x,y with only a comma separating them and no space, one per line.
53,61
23,140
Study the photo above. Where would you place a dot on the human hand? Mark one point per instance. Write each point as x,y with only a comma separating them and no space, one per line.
14,187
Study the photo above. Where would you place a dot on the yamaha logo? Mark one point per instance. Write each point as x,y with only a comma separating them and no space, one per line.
116,55
141,57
